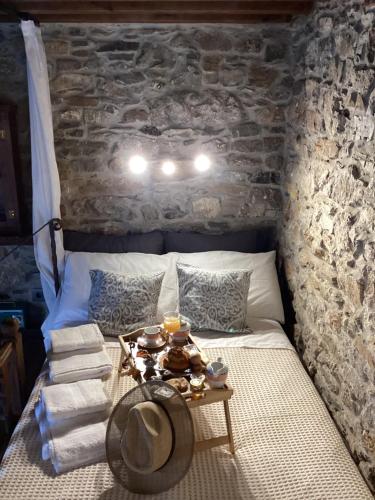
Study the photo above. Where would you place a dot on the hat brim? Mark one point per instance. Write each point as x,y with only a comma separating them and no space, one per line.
181,455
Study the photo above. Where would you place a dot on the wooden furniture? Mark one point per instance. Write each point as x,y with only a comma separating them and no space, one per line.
162,11
209,395
10,221
10,331
10,395
215,396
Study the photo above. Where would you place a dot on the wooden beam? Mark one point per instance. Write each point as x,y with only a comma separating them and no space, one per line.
160,17
164,11
214,6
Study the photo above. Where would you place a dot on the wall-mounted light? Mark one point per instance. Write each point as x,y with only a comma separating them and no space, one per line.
202,163
137,164
168,168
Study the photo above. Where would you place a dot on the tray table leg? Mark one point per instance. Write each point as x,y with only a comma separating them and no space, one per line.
229,427
122,355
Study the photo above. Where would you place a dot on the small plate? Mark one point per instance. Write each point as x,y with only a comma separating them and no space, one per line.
143,342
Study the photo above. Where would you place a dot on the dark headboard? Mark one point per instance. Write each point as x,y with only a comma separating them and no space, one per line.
158,242
75,241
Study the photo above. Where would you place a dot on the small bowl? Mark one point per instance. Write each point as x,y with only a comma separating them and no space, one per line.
182,334
216,381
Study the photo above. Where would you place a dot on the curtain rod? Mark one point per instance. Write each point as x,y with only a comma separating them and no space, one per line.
11,10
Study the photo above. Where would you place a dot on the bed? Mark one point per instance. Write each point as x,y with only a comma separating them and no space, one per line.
287,446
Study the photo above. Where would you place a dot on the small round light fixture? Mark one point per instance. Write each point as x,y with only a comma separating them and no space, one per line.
168,168
202,163
137,164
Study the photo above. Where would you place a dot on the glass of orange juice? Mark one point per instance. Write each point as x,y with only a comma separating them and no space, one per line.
172,321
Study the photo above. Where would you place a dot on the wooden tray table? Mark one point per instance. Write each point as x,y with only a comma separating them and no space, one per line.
210,395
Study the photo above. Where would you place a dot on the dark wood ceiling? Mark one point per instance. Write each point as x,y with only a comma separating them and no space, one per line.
163,11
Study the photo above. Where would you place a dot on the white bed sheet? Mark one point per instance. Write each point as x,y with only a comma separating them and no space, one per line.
266,334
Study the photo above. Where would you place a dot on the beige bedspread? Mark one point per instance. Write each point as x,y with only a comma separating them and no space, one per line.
287,446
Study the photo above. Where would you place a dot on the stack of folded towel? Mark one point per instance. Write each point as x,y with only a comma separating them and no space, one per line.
78,353
72,420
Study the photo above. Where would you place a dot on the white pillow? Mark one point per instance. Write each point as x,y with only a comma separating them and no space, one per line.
72,305
264,299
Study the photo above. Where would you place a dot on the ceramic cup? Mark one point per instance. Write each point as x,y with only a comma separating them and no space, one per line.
152,336
217,374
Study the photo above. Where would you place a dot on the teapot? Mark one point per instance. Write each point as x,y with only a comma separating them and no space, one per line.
217,373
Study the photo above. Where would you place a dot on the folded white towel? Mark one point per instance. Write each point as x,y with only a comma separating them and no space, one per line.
63,401
74,366
76,337
69,447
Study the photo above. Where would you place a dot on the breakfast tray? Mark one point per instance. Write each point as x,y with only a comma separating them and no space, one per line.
128,357
129,354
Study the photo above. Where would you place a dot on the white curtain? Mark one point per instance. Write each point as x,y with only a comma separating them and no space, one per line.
45,176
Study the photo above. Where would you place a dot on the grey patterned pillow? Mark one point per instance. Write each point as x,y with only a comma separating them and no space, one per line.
119,303
214,300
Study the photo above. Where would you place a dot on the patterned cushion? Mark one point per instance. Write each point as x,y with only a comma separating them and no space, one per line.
120,303
214,300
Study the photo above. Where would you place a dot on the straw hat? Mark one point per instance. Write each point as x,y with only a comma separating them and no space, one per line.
150,438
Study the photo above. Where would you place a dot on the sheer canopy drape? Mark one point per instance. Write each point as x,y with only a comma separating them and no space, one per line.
45,177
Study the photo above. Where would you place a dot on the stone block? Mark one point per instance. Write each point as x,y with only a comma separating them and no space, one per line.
266,178
81,101
213,41
67,65
77,32
81,53
282,90
120,56
251,44
273,144
130,78
156,57
211,62
246,129
269,114
232,77
247,146
72,115
150,212
275,52
150,130
173,212
210,78
80,148
262,76
56,47
118,46
243,162
99,117
326,149
135,115
207,207
73,82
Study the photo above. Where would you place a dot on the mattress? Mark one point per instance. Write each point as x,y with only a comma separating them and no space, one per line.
287,446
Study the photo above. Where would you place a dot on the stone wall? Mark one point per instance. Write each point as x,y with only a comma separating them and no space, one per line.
165,92
20,281
168,93
329,214
250,97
